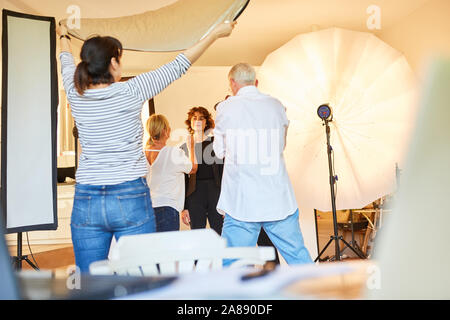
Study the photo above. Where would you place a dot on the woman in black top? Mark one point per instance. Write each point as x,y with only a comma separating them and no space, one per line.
203,187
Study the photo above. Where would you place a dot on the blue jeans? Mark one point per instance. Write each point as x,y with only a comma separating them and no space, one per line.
167,219
101,212
284,234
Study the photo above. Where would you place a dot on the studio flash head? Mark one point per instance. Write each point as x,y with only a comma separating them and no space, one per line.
324,112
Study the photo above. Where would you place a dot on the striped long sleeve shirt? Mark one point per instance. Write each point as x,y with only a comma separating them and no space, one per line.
109,122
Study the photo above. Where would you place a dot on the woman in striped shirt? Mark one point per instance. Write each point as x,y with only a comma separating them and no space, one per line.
111,194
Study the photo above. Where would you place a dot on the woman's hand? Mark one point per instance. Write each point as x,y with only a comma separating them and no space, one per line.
185,217
224,29
61,29
65,45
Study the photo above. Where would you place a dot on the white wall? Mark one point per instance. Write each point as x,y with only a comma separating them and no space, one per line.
200,86
422,35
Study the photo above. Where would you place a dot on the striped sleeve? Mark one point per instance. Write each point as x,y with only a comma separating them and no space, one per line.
67,70
148,85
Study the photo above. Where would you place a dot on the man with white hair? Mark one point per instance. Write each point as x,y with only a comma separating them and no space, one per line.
256,192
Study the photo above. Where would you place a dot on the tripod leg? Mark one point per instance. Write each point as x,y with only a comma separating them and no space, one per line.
323,250
353,249
357,248
343,249
338,258
31,263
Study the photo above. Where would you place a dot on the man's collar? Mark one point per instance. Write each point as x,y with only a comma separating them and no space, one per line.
247,89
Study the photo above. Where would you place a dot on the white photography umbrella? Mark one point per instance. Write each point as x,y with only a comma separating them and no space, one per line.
372,91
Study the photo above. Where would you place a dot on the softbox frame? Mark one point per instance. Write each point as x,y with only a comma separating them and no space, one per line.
29,123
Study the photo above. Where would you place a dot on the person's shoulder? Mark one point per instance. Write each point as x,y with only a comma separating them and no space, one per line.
276,103
128,87
172,149
221,107
182,146
177,150
270,98
124,87
71,95
209,138
171,154
229,104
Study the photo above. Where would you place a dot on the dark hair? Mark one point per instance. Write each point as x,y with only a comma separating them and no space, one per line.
96,55
205,113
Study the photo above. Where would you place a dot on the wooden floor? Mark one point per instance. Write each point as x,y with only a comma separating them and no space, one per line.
47,257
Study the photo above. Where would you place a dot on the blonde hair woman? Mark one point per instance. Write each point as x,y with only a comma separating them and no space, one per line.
167,166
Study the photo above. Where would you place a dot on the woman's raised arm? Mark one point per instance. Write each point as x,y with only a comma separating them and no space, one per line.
65,45
220,31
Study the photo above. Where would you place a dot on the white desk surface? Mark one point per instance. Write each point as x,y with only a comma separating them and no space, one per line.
323,281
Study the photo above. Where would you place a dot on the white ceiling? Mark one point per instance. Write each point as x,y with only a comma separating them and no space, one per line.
263,27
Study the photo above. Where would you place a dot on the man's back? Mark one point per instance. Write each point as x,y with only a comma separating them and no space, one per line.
250,132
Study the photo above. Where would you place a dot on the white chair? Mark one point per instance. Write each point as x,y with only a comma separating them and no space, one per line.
176,252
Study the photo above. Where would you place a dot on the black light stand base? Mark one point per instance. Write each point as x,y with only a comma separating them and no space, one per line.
17,260
355,248
332,238
17,263
334,258
354,245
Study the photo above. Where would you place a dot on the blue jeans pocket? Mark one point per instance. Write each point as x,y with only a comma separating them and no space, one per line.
134,208
81,211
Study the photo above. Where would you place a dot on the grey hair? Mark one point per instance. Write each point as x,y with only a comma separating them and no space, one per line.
243,73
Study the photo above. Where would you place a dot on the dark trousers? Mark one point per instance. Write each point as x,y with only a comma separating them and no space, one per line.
202,205
167,219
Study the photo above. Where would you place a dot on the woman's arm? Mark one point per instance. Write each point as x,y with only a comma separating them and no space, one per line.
220,31
191,149
68,66
65,45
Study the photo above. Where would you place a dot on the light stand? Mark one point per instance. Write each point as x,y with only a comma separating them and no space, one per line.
353,242
17,260
325,113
